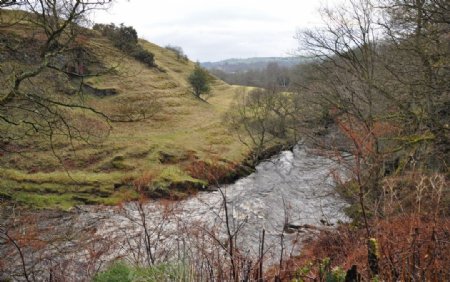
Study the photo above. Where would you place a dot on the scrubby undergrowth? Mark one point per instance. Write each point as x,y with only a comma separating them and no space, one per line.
408,246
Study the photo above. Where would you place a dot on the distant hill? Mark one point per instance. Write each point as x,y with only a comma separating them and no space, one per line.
256,63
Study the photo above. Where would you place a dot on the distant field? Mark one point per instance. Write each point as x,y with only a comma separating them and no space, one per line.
258,63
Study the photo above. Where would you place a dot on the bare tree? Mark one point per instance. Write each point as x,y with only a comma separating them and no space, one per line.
36,246
416,61
261,117
9,3
379,73
38,94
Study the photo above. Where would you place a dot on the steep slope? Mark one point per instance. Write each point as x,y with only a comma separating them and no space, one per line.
159,155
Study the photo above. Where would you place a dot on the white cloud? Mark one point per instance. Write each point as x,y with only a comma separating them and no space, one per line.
216,30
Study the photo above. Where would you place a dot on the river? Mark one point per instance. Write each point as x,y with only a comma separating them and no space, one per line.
291,196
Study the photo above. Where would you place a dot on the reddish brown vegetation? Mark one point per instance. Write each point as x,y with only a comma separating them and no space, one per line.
410,247
365,136
143,181
41,245
212,172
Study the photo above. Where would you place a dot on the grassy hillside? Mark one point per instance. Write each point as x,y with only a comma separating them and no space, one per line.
159,154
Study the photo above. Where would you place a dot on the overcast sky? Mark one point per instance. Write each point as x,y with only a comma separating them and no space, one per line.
219,29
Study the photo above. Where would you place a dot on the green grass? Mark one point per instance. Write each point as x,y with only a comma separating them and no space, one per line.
121,272
63,190
86,173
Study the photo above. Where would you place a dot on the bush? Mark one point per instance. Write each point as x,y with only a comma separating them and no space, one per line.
200,81
178,51
119,272
144,56
126,39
